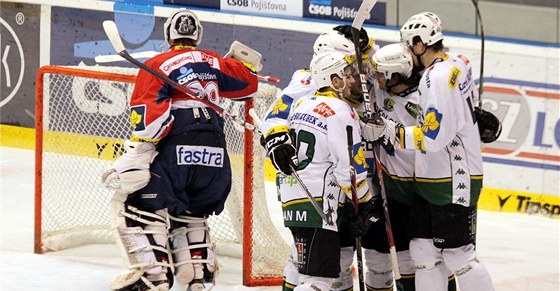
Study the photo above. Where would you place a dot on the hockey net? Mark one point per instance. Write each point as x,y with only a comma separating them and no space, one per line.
82,120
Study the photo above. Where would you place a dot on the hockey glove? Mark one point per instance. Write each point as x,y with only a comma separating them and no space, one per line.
380,130
488,125
368,213
365,44
281,151
131,171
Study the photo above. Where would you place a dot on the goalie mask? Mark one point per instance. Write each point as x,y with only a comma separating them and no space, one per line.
425,25
182,24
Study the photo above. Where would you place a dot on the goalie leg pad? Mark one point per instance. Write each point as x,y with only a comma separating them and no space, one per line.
142,239
193,252
470,273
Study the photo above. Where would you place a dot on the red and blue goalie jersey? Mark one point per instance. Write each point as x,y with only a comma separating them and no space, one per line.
200,71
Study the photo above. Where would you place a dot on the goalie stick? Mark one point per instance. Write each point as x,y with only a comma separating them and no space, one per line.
359,255
363,13
114,37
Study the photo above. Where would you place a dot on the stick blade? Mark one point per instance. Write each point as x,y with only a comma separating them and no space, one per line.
363,13
112,32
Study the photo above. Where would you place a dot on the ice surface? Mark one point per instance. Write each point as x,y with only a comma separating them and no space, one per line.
521,252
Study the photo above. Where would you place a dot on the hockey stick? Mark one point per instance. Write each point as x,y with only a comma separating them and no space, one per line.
151,54
359,255
312,200
357,24
479,17
388,227
113,34
363,13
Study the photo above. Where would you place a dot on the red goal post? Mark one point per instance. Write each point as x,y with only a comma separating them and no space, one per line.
81,123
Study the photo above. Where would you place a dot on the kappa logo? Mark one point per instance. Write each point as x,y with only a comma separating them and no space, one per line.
324,110
460,172
461,200
461,186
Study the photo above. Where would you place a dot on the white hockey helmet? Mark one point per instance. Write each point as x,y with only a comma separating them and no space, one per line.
333,41
392,58
324,65
182,23
426,25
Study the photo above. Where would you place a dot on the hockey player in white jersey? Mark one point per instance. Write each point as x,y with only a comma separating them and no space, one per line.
395,98
318,125
448,162
276,137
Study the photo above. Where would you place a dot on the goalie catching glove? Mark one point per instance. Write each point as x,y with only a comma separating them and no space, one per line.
368,213
380,130
489,125
246,55
281,151
131,171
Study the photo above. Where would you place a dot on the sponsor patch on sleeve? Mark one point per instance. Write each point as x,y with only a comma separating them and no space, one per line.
454,77
137,119
360,162
200,155
418,135
431,125
282,108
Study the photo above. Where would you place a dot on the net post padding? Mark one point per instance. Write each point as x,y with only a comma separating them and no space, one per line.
81,123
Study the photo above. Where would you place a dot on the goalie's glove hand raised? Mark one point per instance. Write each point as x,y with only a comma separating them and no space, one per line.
380,130
281,151
131,171
249,57
368,213
489,125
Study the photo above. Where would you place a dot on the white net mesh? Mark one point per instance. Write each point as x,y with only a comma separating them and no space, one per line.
85,120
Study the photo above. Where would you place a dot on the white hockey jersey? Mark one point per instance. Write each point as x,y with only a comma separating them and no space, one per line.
448,161
319,124
404,111
276,117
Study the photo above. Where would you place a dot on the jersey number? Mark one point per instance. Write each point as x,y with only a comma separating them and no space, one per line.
304,139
